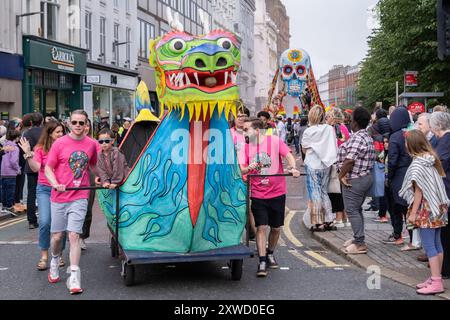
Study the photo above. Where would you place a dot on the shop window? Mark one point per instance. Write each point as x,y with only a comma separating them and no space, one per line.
37,78
122,105
50,79
65,81
101,103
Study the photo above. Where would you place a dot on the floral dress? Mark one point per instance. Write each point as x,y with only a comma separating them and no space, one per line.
424,219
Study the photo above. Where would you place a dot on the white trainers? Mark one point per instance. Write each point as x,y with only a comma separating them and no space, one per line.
83,245
339,224
74,281
53,275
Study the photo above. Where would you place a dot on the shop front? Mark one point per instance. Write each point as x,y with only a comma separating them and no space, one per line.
53,80
109,94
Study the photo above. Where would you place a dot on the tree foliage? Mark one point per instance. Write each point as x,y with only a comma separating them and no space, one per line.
406,40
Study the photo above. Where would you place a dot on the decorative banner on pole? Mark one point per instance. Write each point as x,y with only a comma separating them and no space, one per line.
411,78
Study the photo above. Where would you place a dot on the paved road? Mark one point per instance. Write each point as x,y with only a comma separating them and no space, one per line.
308,270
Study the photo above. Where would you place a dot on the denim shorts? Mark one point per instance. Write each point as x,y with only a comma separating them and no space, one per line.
69,216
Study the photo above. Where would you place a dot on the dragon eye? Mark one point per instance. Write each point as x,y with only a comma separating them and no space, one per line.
225,43
177,45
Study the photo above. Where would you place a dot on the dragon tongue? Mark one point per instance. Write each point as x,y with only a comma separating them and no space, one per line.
211,82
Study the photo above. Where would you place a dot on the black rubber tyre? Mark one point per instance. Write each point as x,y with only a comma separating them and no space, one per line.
236,269
128,277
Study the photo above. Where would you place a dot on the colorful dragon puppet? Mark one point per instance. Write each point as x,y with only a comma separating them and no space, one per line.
297,75
185,192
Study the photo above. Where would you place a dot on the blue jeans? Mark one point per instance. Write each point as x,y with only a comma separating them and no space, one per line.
297,144
431,242
8,191
45,218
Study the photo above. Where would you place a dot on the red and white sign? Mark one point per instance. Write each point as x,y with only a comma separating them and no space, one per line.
416,107
411,78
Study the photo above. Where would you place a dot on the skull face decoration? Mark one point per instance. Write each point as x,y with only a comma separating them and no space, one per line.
295,66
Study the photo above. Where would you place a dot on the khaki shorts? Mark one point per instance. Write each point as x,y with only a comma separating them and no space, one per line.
68,216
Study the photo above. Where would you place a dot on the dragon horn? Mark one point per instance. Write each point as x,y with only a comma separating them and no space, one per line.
174,21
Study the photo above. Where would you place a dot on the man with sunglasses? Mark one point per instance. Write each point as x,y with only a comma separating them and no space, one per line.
67,166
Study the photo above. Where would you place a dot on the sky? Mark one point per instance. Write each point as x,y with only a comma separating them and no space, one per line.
331,31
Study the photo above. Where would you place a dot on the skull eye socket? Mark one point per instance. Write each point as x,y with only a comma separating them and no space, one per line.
301,70
177,45
287,70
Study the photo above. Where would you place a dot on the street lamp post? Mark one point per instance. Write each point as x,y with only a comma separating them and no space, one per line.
18,17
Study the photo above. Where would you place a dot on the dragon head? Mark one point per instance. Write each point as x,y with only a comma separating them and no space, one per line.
197,73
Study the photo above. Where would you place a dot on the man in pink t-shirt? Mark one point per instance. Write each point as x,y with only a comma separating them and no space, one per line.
67,166
268,194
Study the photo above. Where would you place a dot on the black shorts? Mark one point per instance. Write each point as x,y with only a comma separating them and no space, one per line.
269,212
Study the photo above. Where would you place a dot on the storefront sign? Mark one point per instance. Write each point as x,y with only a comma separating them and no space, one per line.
416,107
87,87
65,60
411,78
93,79
49,55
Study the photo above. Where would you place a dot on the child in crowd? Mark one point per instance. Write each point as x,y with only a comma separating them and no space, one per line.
423,189
112,166
10,169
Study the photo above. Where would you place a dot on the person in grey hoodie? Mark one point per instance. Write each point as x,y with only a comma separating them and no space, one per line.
10,169
399,161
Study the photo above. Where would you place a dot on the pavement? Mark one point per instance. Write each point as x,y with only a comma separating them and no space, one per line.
402,267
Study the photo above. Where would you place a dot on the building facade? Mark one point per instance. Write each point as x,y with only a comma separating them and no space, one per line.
324,89
11,61
277,13
343,83
43,70
238,16
153,22
266,54
109,33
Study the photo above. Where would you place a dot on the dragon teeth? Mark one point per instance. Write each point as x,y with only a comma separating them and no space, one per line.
226,78
173,78
188,81
233,77
196,78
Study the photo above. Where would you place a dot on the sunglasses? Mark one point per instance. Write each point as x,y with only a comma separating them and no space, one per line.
104,141
81,123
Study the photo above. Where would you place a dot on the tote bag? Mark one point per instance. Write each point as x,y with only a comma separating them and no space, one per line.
334,185
378,173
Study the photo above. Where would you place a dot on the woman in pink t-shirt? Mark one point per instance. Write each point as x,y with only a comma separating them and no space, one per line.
37,160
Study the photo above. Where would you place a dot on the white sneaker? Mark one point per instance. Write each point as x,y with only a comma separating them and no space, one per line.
339,224
347,224
83,245
74,281
53,274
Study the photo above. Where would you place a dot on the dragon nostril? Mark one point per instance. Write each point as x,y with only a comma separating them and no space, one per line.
199,63
222,62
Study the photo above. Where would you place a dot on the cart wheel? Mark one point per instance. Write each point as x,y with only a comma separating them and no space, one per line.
236,269
128,274
113,245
